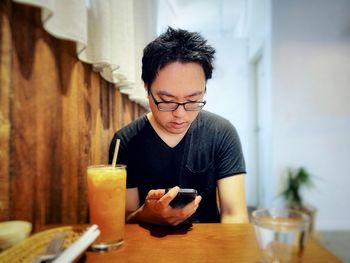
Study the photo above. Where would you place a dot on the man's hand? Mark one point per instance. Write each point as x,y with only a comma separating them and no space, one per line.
157,210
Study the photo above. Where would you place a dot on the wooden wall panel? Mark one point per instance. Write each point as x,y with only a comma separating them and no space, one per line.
56,116
5,68
22,142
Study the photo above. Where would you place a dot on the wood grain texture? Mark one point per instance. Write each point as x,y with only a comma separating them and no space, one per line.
5,67
200,243
57,116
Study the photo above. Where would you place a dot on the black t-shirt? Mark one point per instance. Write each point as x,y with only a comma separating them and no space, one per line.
210,150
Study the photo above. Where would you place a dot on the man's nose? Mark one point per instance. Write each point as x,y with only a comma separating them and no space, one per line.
180,111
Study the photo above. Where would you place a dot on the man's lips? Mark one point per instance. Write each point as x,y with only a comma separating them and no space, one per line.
178,124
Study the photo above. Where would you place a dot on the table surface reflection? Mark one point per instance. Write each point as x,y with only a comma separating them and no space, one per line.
195,243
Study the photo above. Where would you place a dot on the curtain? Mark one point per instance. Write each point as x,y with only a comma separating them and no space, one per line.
109,34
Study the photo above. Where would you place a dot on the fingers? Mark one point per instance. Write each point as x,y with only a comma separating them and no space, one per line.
170,195
197,200
192,207
155,194
159,199
186,211
158,209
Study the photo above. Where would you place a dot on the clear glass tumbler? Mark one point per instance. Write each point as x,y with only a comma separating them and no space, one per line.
281,234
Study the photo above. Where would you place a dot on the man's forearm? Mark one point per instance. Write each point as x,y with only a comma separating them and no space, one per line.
134,217
141,216
234,218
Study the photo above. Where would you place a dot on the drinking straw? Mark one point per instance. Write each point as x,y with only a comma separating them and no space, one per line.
115,155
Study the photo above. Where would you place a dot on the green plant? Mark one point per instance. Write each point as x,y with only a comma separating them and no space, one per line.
297,179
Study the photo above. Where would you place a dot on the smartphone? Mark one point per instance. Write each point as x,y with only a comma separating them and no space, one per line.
183,197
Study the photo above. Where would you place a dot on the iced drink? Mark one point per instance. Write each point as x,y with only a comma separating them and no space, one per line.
106,192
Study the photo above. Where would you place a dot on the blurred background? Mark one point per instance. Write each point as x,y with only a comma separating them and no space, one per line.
282,78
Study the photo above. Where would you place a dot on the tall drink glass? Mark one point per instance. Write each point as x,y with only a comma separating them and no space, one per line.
106,192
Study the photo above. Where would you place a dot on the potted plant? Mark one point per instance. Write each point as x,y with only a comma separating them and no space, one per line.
296,181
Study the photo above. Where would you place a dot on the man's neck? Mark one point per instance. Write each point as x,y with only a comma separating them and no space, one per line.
171,139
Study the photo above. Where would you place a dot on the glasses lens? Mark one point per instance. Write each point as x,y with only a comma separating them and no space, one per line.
194,106
189,106
167,106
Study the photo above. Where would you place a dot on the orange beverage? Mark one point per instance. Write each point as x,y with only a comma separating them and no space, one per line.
106,192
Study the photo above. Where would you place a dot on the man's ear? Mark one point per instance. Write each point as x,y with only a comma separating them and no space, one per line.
146,88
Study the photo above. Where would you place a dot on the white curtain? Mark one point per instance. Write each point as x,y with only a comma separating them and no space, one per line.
109,34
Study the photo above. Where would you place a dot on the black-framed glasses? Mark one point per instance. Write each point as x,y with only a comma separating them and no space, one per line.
172,106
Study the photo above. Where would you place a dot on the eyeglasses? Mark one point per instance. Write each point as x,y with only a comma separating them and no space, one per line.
172,106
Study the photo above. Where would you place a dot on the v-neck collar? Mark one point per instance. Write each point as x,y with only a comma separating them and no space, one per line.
157,137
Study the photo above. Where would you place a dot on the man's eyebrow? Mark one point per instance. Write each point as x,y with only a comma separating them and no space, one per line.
197,93
164,93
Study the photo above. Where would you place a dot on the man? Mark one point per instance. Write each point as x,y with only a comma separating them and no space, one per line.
177,144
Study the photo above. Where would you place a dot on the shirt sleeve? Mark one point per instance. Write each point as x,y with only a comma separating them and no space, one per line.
229,158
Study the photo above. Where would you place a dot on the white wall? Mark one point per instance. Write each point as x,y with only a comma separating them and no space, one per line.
311,101
258,32
228,94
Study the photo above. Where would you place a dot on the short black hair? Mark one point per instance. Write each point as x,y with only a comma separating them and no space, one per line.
176,45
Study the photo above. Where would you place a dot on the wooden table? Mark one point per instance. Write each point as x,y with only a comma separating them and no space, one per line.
199,243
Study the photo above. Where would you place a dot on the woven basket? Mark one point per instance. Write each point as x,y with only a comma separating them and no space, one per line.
27,249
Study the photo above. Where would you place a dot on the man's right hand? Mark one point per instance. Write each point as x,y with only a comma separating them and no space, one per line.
156,209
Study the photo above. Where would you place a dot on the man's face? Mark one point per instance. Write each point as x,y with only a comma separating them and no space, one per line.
177,82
